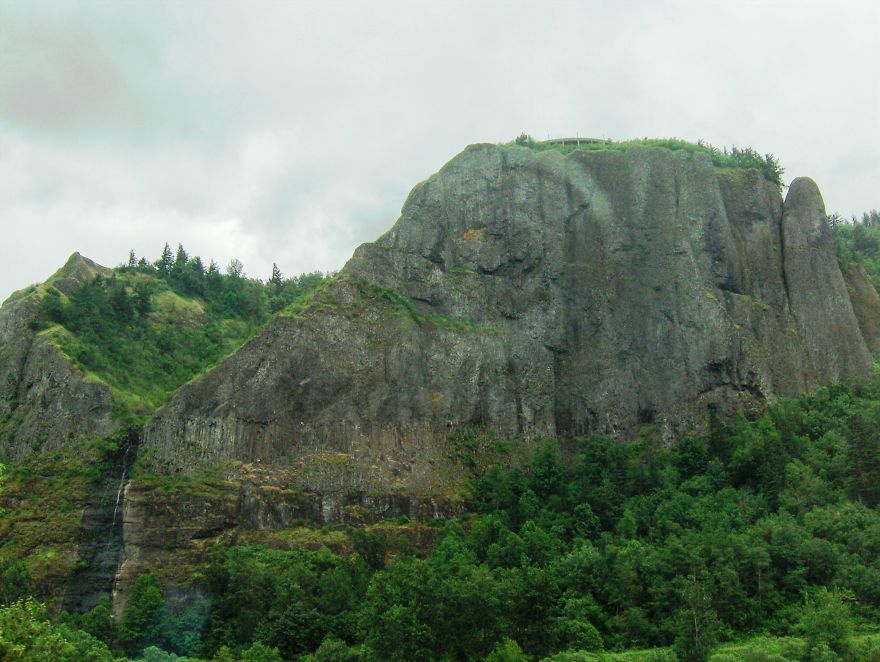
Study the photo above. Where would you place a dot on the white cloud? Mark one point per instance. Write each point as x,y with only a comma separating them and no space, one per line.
291,132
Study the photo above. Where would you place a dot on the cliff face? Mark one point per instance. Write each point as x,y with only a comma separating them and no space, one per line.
167,532
46,403
533,294
525,294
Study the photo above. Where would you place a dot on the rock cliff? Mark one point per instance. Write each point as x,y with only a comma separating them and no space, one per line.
533,294
46,403
521,294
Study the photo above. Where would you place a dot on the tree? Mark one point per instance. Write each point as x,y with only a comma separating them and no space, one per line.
99,622
52,307
143,302
143,607
235,268
180,259
165,261
26,635
507,650
826,621
333,650
276,279
697,624
863,435
15,581
259,652
372,547
132,259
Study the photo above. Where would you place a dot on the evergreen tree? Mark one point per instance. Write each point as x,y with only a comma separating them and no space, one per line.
180,259
165,261
141,611
235,268
276,278
132,260
864,455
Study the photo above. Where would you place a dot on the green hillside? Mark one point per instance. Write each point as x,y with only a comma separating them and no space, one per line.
148,328
858,242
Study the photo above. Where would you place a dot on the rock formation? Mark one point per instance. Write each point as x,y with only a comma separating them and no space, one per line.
524,294
533,294
46,402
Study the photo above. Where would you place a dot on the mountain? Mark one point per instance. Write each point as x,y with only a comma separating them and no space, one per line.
534,294
151,412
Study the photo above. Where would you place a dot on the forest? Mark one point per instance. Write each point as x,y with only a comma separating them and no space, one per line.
759,541
767,528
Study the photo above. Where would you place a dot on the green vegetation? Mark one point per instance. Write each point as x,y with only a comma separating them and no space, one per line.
858,241
765,534
438,320
149,328
41,504
734,157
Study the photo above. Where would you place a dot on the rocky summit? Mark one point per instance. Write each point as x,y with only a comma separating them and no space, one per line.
535,294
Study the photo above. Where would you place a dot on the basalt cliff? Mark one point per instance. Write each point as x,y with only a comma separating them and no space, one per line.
534,295
522,295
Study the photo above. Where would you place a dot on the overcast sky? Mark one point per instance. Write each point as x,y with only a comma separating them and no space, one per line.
292,132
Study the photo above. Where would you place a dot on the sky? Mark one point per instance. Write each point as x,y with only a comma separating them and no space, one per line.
291,132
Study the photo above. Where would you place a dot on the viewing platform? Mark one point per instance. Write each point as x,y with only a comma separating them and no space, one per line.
577,140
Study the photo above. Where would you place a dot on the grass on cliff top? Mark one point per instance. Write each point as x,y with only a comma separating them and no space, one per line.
733,157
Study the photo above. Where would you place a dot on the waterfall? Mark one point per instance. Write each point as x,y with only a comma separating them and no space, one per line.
100,545
120,489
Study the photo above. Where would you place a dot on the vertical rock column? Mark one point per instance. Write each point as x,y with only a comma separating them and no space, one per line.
817,293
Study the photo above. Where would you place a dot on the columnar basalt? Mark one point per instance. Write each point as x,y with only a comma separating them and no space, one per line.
534,294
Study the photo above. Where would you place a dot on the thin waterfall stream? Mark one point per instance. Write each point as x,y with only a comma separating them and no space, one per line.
101,540
121,488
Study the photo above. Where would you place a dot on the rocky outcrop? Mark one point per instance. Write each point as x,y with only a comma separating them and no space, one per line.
533,294
866,305
168,527
46,402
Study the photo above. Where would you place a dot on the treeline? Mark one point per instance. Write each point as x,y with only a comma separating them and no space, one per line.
229,293
148,328
767,526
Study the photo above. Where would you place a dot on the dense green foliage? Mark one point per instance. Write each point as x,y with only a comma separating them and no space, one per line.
766,528
150,327
734,157
858,241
